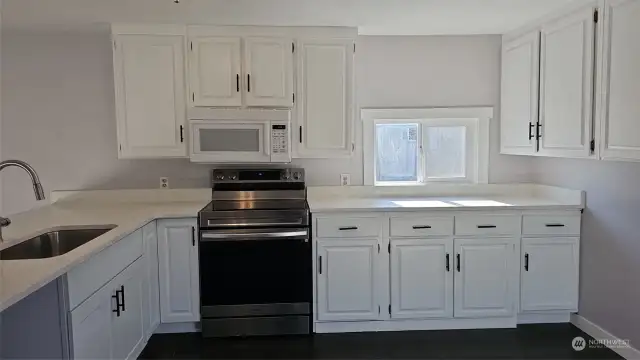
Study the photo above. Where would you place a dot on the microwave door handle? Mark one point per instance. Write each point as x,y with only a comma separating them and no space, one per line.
267,140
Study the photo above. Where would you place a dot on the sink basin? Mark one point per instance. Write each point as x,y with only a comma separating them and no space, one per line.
54,243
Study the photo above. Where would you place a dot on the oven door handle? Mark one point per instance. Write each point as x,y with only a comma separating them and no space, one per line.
226,236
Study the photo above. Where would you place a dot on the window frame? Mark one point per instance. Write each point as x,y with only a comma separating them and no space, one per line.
475,119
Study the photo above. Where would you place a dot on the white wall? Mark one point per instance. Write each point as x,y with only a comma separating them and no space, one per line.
58,109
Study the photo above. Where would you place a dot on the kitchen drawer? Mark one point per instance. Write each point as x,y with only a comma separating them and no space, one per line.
417,226
348,227
88,277
551,225
488,225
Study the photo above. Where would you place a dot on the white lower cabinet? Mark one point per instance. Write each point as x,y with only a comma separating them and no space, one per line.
347,280
178,270
108,324
549,274
151,284
484,280
421,278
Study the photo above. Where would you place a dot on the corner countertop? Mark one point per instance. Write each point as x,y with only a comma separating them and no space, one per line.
492,197
129,210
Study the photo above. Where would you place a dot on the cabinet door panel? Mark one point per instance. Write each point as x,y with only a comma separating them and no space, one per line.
484,281
566,94
421,278
91,327
150,95
549,274
520,86
325,109
347,281
127,329
269,72
215,76
178,266
621,71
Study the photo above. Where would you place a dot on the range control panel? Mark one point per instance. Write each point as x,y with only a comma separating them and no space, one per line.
279,139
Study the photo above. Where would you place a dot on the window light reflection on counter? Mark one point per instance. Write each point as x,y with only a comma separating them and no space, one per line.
480,203
423,203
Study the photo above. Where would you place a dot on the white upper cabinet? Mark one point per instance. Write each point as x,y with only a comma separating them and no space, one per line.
421,279
150,94
268,64
549,274
566,85
326,106
215,71
485,284
178,270
347,281
520,83
621,81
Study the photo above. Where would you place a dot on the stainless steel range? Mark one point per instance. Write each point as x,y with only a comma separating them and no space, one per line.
255,254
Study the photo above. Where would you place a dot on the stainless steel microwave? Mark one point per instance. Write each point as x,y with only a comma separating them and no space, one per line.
240,136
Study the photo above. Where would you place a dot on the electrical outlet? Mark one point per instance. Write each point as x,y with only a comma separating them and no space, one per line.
345,179
164,182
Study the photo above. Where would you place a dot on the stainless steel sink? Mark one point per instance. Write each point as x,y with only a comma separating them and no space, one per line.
54,243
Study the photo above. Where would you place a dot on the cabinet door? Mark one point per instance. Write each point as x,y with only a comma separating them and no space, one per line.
91,326
484,283
326,106
566,91
549,274
127,332
178,271
421,278
150,96
151,285
621,71
520,86
214,71
268,64
347,279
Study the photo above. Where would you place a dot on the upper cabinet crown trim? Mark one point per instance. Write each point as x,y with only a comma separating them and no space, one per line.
148,29
273,31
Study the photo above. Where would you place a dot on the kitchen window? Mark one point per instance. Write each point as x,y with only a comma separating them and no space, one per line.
420,146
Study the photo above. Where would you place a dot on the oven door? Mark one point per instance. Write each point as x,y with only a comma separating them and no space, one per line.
255,272
230,141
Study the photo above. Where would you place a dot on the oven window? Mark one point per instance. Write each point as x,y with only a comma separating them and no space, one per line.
255,272
237,140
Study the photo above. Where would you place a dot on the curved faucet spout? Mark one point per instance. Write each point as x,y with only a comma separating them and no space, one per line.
37,187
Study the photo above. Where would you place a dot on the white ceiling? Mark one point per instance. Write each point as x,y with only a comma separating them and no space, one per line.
372,17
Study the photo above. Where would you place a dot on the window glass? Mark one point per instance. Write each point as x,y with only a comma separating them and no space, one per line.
445,151
396,152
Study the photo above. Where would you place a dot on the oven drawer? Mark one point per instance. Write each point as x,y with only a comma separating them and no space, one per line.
347,227
551,225
488,225
416,226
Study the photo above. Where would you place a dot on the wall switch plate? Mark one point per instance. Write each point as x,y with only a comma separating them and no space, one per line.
345,179
164,182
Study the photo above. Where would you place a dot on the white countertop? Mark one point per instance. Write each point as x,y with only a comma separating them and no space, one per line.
443,197
19,278
131,209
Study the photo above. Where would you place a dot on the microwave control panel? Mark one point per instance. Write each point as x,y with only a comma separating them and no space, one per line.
279,139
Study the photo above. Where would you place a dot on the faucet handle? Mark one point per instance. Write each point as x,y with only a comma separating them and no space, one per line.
4,222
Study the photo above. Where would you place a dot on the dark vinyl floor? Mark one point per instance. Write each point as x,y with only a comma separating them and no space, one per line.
548,341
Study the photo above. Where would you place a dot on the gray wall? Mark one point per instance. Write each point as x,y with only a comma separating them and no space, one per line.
58,108
610,243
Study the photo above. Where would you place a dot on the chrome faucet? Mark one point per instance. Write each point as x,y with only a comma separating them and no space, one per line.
37,187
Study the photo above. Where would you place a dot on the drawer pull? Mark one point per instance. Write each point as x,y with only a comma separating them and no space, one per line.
554,225
348,228
417,227
487,226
